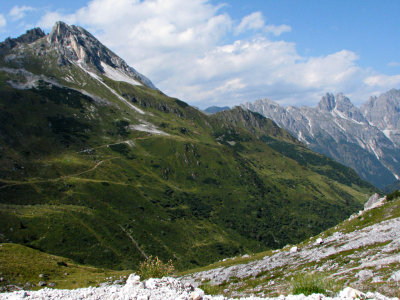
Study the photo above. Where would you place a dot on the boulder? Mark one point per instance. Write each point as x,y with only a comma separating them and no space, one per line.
350,293
374,201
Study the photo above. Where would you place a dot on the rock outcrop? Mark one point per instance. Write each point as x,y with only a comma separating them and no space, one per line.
78,45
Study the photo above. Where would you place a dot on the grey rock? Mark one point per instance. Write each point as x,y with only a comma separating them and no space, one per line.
30,36
52,284
373,201
75,44
384,113
366,139
42,283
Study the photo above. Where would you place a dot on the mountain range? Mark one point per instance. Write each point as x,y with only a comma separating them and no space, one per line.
366,139
99,166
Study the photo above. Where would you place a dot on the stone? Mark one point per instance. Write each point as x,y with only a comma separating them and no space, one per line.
319,241
133,279
350,293
42,283
294,249
52,284
195,296
395,276
365,275
374,201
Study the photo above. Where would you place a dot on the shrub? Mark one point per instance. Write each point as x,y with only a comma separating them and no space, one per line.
392,196
155,268
309,284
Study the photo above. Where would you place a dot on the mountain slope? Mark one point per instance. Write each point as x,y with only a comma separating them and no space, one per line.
338,129
99,166
361,252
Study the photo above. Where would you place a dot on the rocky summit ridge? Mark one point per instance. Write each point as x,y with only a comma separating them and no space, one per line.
366,139
76,45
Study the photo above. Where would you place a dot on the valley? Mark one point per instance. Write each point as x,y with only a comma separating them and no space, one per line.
99,170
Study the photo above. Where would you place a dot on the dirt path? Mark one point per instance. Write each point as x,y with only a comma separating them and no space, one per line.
14,183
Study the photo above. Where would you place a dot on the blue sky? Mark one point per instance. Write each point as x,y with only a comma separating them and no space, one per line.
229,52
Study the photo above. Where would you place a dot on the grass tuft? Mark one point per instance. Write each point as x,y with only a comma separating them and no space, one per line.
309,284
155,268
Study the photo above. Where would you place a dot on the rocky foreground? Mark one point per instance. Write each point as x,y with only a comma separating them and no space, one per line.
162,289
362,252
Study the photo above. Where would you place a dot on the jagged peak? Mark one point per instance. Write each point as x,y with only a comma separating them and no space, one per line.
76,44
267,101
327,102
28,37
62,30
340,97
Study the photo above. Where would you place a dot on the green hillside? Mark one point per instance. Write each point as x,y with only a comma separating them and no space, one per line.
86,176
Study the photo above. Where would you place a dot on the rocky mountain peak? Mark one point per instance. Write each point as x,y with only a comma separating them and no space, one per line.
77,45
383,112
366,138
327,103
30,36
62,31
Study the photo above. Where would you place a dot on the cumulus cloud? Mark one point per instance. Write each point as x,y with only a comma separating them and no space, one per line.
194,51
381,80
18,12
278,30
255,21
3,21
252,21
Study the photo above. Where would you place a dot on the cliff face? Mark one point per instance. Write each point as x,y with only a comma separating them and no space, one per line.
365,139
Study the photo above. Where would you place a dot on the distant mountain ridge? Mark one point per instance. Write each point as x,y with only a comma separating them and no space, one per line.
215,109
366,139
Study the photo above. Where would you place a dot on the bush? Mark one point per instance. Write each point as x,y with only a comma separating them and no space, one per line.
309,284
392,196
155,268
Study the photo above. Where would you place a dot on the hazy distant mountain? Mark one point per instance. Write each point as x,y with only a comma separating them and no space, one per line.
215,109
366,139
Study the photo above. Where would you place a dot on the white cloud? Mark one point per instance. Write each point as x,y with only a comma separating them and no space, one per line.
187,49
255,21
384,81
18,12
3,21
394,64
252,21
278,30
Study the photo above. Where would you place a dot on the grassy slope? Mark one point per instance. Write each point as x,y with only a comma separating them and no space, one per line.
190,196
21,265
334,275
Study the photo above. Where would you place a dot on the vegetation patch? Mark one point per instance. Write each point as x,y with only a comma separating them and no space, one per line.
309,284
155,268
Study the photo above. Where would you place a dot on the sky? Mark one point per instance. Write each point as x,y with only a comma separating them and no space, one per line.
230,52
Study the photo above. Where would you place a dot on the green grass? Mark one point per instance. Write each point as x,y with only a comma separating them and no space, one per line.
309,284
20,265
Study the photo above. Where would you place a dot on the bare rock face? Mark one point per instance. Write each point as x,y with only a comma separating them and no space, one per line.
366,139
384,113
374,201
75,44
